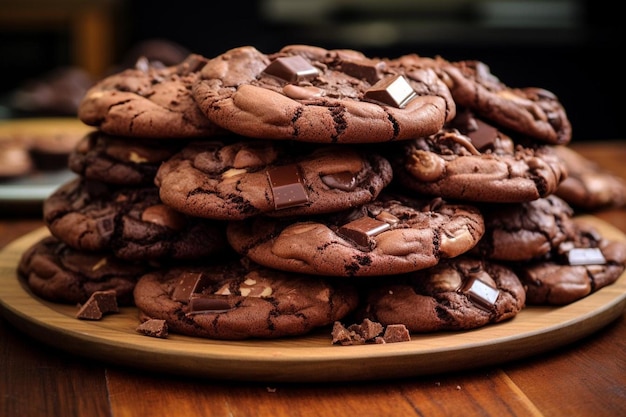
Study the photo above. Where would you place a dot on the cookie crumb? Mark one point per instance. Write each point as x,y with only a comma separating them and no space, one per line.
154,328
98,304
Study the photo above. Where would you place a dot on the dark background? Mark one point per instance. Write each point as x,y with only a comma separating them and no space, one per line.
570,47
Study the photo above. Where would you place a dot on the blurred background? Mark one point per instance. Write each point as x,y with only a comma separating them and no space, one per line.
570,47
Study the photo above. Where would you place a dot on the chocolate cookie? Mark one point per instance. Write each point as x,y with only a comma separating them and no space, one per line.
56,272
457,294
525,231
311,94
233,181
588,185
131,222
391,235
577,268
531,111
148,101
241,300
120,160
482,165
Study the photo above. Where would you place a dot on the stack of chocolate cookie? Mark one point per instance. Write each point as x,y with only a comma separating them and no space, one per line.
256,195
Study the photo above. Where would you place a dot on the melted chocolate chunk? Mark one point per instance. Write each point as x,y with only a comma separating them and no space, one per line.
480,293
362,229
287,186
586,256
291,69
345,181
395,91
484,136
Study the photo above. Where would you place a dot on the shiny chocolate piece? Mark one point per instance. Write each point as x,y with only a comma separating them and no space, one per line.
291,69
363,69
481,293
484,136
209,303
99,303
187,285
345,181
586,256
385,216
362,229
287,186
395,91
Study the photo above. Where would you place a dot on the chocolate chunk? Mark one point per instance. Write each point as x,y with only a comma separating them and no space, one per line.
394,91
287,186
98,304
481,293
368,329
586,256
154,328
342,336
107,301
186,286
106,225
362,229
292,69
483,136
396,333
208,303
89,311
363,69
344,181
385,216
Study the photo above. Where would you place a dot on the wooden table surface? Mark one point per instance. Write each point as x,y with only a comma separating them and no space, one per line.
585,378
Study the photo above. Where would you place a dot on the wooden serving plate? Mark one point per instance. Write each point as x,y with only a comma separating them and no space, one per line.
312,358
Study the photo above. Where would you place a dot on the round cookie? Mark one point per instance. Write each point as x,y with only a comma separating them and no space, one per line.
483,165
457,294
580,266
525,231
56,272
148,101
588,186
131,222
233,181
311,94
530,111
120,160
391,235
241,300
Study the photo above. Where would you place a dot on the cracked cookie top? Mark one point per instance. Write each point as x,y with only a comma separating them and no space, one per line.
311,94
